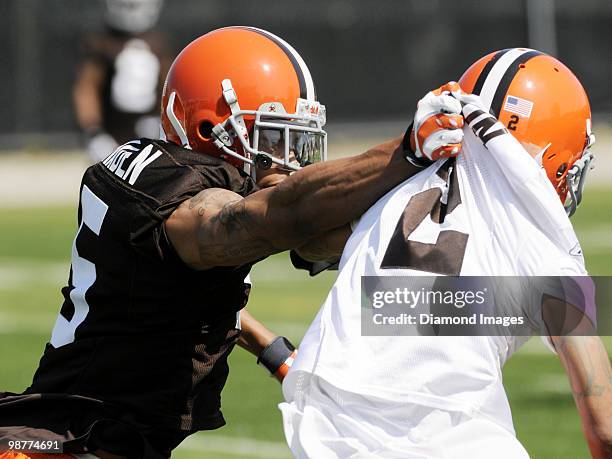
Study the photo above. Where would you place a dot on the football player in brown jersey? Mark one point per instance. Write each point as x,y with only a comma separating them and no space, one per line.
168,232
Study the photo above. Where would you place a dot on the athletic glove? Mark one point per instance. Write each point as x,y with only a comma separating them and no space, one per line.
436,131
277,357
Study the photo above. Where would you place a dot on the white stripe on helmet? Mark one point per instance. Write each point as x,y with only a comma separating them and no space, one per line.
497,73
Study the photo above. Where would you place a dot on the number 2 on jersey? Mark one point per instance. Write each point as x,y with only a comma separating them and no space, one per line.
93,211
443,257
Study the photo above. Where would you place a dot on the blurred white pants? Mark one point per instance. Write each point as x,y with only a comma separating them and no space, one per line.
325,422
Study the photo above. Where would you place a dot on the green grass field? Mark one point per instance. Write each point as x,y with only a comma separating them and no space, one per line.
34,248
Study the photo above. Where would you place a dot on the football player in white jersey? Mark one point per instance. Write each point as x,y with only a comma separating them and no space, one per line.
500,209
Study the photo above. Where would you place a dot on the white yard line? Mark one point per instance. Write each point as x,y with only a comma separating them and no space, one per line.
19,273
23,274
597,237
18,322
238,446
551,383
34,322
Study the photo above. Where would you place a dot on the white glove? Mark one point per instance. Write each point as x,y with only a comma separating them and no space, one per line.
100,145
437,126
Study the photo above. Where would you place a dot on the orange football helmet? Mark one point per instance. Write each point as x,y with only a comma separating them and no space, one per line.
245,95
545,107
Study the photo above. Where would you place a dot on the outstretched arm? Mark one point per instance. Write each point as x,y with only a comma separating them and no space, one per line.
587,365
220,228
327,247
254,336
435,133
273,352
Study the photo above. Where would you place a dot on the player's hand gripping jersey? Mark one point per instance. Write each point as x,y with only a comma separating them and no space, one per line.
139,332
490,212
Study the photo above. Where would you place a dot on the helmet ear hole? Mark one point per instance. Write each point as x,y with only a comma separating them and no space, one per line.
205,129
561,170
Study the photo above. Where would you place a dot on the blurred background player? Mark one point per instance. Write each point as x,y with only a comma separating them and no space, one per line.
119,78
490,212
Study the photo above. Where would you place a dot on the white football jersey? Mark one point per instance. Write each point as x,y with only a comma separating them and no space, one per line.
503,218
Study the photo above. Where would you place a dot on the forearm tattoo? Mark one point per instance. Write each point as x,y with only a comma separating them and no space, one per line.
227,235
594,363
233,216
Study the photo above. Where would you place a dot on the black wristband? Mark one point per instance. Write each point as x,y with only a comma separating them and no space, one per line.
275,354
409,154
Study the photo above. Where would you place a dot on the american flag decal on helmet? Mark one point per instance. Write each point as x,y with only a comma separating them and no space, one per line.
519,106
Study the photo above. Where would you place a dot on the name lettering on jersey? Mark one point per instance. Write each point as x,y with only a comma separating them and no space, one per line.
125,164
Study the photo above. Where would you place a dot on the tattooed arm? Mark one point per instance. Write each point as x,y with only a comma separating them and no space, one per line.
219,228
587,365
328,247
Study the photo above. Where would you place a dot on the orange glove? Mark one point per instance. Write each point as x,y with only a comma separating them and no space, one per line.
437,127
